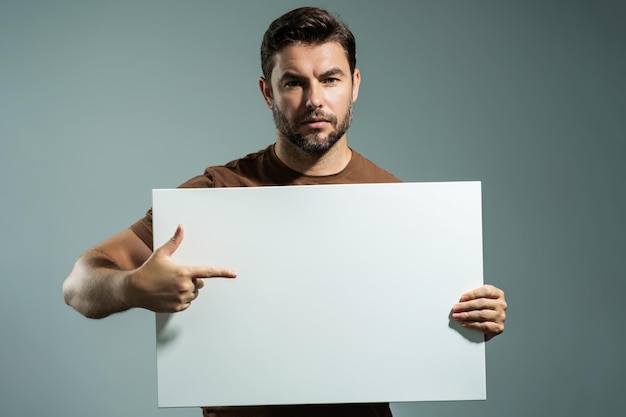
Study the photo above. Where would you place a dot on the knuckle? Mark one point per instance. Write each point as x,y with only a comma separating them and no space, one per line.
182,286
482,316
492,291
485,316
182,306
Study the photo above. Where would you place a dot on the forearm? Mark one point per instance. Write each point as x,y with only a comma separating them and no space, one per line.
96,287
122,273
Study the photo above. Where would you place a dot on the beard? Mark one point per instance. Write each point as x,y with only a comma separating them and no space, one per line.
313,143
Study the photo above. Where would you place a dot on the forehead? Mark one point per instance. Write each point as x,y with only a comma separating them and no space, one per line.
306,59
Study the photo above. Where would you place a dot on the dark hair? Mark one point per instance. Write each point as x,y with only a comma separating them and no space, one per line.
307,25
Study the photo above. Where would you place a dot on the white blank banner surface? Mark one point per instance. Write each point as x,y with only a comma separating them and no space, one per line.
343,295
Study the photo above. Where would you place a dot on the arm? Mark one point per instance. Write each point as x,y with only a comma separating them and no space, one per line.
483,309
122,273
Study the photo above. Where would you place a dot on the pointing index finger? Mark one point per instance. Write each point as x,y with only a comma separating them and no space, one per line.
211,272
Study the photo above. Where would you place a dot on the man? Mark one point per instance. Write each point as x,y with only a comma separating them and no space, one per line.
310,82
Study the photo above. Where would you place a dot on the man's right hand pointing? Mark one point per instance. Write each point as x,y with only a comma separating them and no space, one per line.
163,286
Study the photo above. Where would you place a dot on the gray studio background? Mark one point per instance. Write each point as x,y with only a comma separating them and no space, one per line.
101,101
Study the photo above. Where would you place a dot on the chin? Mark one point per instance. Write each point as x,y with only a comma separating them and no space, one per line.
315,146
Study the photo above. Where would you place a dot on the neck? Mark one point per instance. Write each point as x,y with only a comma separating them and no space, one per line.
330,162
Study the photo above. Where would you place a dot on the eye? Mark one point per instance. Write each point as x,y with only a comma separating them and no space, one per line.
293,84
331,80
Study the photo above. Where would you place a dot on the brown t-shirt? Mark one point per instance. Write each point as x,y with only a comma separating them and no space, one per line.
263,168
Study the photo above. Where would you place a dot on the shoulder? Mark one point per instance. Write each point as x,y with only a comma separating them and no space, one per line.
366,171
242,172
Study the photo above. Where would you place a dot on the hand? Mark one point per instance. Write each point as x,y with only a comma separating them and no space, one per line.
163,286
482,309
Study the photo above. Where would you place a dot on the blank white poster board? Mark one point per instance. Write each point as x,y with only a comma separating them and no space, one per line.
343,295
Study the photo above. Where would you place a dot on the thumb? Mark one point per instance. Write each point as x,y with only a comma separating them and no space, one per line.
171,245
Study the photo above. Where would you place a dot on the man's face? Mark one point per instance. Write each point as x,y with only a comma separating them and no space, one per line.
311,92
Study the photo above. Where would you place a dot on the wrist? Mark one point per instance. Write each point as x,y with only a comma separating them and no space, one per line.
128,289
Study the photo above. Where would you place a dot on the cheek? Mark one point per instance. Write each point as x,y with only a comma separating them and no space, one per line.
340,108
286,105
342,101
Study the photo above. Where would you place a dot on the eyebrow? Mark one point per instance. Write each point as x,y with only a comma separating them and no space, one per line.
333,71
290,75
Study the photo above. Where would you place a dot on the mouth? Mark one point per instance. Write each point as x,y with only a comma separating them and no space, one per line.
316,122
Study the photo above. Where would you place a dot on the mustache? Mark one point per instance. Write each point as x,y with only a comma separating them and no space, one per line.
316,114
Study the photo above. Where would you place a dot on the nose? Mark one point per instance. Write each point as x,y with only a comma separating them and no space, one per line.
314,96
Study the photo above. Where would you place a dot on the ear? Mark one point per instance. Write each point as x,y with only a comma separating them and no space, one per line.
266,90
356,82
